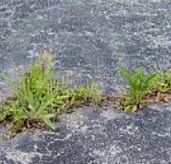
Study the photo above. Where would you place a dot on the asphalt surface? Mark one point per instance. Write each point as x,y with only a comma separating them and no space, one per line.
91,39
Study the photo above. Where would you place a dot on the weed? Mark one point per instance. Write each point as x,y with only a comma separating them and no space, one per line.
34,94
39,97
162,85
163,81
84,93
139,86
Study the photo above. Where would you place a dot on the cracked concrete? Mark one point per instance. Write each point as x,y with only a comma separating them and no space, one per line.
92,40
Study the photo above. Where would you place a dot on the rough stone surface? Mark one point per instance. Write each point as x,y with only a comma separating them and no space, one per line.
92,39
101,136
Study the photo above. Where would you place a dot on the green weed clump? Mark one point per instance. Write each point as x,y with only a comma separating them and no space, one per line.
162,85
163,82
87,94
139,85
39,97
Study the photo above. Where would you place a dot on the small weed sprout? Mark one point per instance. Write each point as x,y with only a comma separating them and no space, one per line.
162,85
163,82
39,97
89,94
139,86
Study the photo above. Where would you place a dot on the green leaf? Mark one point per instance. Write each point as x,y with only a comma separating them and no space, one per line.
138,79
127,75
48,122
150,81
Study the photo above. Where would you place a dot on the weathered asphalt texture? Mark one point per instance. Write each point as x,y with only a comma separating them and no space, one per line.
92,40
90,136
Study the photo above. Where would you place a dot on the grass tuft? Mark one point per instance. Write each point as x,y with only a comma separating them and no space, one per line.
162,86
139,85
39,97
